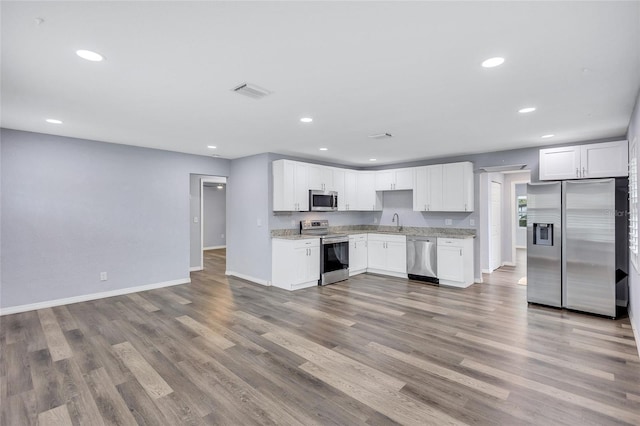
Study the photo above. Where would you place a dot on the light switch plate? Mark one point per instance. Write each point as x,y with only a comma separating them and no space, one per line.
448,221
195,219
472,222
259,222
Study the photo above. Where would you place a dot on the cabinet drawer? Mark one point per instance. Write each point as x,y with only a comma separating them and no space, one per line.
450,242
358,237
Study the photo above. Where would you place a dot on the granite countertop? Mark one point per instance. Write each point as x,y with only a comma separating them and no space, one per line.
293,234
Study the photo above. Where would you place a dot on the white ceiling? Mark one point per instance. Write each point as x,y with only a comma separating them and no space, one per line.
358,68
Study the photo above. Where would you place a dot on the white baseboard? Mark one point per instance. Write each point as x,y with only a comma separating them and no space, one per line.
521,247
387,273
635,331
248,278
478,280
508,264
213,247
196,268
486,271
86,297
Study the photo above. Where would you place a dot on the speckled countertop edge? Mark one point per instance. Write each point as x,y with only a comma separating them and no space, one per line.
294,234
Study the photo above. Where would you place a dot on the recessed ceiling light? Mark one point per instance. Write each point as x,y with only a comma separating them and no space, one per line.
306,119
324,149
372,159
220,186
211,147
526,110
53,121
89,55
493,62
547,136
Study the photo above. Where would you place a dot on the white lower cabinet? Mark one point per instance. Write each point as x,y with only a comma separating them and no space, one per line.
455,262
387,254
357,254
295,263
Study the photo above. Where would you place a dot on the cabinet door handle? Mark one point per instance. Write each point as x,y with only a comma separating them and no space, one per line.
584,172
577,172
460,252
465,207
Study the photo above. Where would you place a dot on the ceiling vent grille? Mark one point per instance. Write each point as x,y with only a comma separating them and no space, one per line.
381,136
251,90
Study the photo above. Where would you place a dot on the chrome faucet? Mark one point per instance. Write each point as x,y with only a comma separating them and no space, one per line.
396,217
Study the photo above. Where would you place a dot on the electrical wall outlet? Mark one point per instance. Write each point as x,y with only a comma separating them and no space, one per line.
293,223
375,220
448,222
472,222
103,276
195,219
222,236
259,222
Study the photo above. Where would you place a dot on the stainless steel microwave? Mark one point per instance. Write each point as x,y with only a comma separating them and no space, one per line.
323,201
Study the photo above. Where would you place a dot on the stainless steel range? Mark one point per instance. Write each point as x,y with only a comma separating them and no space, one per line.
334,251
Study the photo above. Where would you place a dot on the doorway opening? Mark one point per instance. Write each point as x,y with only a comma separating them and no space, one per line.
213,223
503,219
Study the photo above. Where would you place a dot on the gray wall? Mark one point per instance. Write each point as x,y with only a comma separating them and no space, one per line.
521,232
215,214
73,208
248,211
634,274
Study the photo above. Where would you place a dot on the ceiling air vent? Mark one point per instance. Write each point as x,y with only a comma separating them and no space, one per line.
251,90
381,136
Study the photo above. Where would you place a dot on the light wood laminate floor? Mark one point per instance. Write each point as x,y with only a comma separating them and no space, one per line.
372,350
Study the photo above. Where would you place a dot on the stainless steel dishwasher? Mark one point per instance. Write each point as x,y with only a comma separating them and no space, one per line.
422,261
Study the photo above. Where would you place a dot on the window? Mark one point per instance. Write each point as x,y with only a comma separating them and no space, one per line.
522,211
633,204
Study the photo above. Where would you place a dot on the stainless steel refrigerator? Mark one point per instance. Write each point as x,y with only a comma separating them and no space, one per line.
572,230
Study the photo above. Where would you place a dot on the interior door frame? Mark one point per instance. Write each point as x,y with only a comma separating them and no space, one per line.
209,179
491,242
514,217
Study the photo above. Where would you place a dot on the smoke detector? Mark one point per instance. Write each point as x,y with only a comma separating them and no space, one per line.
251,90
381,136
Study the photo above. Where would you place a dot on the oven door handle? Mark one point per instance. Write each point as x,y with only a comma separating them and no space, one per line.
335,240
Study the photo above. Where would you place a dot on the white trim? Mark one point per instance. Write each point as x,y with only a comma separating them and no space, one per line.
92,296
635,331
521,247
478,280
486,271
196,268
508,264
248,278
213,247
387,273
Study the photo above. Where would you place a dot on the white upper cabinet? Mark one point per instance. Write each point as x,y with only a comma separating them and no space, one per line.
391,180
457,187
428,188
320,177
365,192
440,187
339,186
444,187
350,195
290,186
608,159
